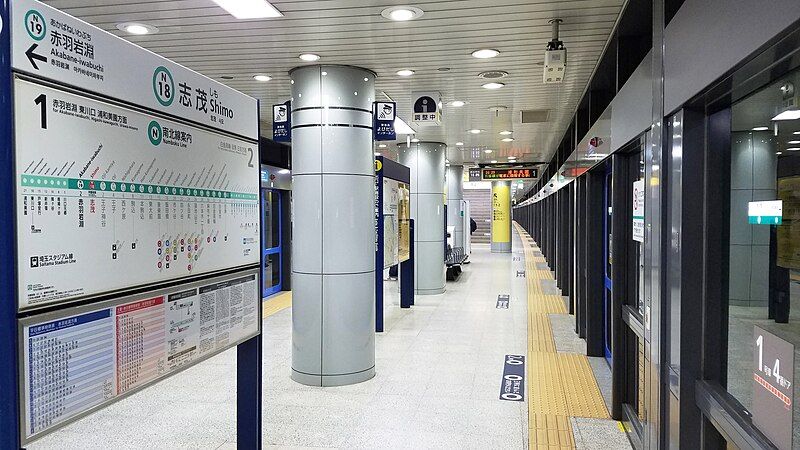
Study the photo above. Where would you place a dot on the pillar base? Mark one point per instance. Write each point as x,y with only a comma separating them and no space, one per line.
333,380
435,291
501,247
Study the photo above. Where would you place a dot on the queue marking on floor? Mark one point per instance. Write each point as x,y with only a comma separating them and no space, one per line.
560,385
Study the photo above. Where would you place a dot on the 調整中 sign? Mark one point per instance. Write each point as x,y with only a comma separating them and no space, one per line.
524,173
51,44
773,387
384,115
427,109
638,211
282,122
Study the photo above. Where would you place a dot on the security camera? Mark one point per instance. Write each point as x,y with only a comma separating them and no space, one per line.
555,58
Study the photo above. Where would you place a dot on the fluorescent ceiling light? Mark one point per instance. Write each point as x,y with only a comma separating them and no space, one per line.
381,145
512,157
492,85
405,72
475,131
262,78
415,140
377,154
494,161
793,149
249,9
778,153
459,144
457,103
760,128
137,28
283,171
485,53
796,132
506,133
487,151
400,127
508,139
402,13
794,142
792,114
309,57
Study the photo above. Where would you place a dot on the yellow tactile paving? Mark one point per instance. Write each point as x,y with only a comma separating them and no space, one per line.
276,303
560,385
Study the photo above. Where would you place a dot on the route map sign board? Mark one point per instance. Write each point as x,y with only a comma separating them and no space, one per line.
109,197
133,199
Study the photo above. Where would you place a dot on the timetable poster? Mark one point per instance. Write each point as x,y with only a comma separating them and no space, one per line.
121,198
80,361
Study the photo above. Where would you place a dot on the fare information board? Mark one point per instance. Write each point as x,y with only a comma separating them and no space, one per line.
509,174
51,44
76,361
110,197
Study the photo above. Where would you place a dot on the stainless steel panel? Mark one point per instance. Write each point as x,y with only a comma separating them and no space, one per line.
306,323
428,213
348,227
347,150
348,328
307,224
306,150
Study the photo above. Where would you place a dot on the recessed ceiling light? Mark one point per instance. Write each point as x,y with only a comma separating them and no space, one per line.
459,144
778,153
137,28
402,13
415,140
506,133
512,157
494,161
262,77
309,57
760,128
284,171
485,53
249,9
487,151
508,139
457,103
381,145
377,154
794,142
405,72
475,131
492,85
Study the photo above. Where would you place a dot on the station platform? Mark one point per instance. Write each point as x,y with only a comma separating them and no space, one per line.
439,373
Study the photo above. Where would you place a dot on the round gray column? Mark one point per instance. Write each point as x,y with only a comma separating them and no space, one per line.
333,225
455,203
426,161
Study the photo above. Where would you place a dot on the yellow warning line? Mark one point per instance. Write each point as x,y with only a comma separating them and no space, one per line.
276,303
560,385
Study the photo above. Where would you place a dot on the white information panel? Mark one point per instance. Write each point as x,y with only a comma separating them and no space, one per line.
638,211
75,361
51,44
110,198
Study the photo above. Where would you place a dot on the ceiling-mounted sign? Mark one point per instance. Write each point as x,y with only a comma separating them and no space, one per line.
765,213
384,115
282,122
475,174
524,173
638,211
51,44
773,387
427,109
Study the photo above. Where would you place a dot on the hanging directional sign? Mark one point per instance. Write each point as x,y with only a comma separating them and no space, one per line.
51,44
384,115
427,109
282,122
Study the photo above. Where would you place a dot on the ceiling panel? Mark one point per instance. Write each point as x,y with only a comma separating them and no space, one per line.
202,36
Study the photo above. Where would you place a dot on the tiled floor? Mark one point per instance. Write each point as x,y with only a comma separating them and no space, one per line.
439,368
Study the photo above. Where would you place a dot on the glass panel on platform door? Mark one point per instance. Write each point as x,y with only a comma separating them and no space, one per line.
764,258
607,226
271,241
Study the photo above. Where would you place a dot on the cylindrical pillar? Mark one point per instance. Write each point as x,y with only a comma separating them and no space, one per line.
426,161
455,203
333,226
501,217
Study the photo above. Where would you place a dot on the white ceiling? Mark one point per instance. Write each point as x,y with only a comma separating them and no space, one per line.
203,37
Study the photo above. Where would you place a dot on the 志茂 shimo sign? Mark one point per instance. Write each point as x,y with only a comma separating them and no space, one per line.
51,44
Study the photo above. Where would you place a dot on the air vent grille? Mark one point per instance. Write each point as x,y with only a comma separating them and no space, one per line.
535,115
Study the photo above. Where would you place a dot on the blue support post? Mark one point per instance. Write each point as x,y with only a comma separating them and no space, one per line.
9,383
407,272
248,394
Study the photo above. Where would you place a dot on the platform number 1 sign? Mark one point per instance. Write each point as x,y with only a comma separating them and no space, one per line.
773,386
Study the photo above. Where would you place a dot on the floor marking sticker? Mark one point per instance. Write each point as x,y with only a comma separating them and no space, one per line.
513,385
503,300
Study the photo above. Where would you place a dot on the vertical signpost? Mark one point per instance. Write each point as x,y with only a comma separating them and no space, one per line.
131,223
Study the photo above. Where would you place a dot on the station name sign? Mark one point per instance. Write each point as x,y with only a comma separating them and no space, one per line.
524,173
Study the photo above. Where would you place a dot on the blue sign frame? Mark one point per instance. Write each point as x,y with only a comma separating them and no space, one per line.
383,117
282,127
